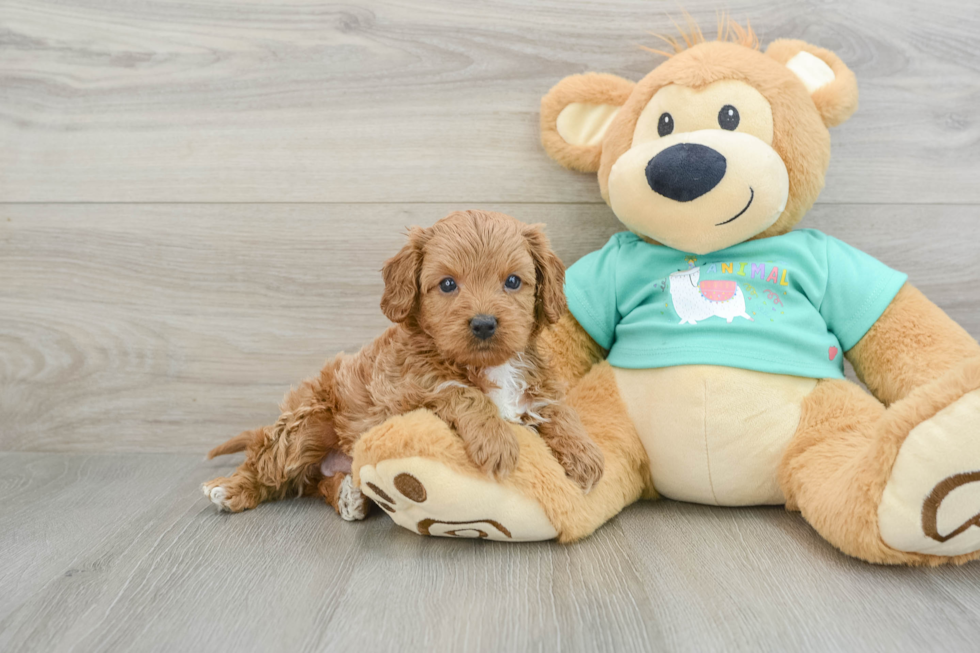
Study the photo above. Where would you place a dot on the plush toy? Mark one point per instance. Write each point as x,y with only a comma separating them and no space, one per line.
705,344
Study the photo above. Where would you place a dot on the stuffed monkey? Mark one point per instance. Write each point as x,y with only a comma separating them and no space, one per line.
704,345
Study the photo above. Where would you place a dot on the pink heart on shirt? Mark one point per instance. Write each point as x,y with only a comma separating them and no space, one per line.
833,353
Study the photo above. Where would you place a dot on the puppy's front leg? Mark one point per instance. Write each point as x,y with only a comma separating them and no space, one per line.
565,435
488,439
340,492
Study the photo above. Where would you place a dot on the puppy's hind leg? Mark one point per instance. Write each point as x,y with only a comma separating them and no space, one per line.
238,492
281,460
247,487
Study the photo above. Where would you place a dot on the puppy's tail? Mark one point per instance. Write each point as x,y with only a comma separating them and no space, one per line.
236,444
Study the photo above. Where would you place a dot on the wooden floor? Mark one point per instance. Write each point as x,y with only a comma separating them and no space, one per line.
195,201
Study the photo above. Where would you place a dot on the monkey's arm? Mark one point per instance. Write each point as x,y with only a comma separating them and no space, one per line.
912,343
570,349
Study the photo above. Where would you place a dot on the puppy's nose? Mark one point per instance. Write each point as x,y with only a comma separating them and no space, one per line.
483,326
685,171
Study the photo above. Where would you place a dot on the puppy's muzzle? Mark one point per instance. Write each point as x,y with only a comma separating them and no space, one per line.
483,326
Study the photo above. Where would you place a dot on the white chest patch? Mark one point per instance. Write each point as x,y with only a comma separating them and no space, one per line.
510,395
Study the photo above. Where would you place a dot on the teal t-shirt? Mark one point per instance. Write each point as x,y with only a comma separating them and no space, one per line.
791,304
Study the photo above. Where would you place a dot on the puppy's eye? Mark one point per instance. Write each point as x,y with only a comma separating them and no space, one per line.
513,282
728,117
665,124
447,285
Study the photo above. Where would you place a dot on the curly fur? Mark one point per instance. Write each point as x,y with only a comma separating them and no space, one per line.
431,359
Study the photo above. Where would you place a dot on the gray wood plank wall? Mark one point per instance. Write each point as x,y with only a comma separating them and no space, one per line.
197,197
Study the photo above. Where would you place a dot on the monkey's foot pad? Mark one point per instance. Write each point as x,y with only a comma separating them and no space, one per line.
429,498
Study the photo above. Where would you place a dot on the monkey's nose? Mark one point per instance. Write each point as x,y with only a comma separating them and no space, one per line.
685,171
483,326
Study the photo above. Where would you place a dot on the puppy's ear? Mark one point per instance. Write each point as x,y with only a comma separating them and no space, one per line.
575,115
831,84
550,302
401,276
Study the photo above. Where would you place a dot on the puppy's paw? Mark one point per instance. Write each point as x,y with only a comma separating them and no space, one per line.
228,495
582,459
218,495
352,505
494,449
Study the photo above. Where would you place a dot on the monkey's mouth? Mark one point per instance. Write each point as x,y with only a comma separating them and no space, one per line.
739,214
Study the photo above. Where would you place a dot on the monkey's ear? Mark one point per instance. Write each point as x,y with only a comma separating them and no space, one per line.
831,84
549,293
401,276
575,115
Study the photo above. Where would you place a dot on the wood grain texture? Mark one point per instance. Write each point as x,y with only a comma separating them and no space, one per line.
121,553
173,327
425,100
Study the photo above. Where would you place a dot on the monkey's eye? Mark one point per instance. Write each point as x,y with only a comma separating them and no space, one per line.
728,117
513,282
665,125
447,285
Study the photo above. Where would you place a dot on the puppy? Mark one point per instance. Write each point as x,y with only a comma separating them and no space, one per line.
468,297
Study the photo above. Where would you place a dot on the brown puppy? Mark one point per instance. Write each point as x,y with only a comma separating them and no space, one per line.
468,296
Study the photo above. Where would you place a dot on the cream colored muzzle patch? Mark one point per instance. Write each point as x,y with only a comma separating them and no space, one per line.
749,198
